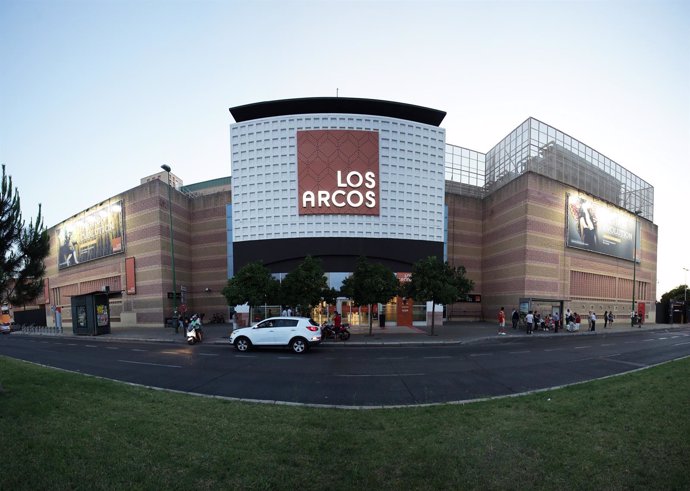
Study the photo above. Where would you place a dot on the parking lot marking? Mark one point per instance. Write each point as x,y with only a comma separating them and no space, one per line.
150,364
382,375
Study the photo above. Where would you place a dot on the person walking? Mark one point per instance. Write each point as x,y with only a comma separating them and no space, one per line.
501,322
593,321
606,318
515,319
529,320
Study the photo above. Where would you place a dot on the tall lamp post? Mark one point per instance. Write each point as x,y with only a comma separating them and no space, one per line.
166,168
685,297
633,313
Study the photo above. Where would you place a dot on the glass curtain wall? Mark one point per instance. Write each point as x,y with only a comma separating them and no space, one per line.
537,147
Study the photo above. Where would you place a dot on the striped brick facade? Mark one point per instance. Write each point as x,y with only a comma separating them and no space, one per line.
512,244
199,224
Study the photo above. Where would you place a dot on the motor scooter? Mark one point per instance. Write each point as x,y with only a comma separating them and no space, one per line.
328,330
194,331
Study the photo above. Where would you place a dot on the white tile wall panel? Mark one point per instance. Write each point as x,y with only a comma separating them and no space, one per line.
264,180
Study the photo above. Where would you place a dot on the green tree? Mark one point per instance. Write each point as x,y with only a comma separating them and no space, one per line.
436,281
370,283
330,296
305,286
22,249
677,294
253,285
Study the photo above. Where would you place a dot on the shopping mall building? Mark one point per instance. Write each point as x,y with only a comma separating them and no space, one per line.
540,222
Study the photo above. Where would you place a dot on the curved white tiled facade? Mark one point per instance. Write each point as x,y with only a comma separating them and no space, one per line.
264,180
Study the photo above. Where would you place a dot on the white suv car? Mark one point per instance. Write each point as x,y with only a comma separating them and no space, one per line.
297,333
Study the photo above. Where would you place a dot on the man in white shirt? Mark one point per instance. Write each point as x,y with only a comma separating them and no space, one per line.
529,321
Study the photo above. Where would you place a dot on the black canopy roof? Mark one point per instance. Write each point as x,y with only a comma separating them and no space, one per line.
347,105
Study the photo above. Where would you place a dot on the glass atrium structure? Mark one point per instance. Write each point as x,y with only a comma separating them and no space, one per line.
540,148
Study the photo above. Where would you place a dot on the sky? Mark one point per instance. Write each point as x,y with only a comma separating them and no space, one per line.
95,95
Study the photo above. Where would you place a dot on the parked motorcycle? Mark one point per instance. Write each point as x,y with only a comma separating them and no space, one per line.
328,330
194,332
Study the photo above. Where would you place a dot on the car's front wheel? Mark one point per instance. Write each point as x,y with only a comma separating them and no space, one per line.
242,344
299,345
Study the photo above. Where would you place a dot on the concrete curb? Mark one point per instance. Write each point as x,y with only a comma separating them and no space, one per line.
394,340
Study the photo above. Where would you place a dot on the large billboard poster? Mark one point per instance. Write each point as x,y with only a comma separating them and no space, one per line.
597,227
92,234
338,172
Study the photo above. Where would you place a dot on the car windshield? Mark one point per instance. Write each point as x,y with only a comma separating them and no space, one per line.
313,322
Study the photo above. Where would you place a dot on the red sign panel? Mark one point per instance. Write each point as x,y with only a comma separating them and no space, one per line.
131,276
338,172
46,291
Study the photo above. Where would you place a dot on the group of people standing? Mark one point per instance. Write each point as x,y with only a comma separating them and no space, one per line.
535,321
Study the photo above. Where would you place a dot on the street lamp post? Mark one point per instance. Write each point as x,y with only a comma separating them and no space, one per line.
685,297
166,168
633,313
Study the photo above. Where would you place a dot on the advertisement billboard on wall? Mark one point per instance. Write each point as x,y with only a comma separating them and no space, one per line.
90,235
338,172
597,227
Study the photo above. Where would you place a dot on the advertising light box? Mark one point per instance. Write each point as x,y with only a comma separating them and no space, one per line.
597,227
92,234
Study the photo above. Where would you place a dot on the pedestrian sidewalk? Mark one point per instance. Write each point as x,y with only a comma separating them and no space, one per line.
449,333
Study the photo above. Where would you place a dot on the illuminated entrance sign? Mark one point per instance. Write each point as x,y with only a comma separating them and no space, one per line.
338,172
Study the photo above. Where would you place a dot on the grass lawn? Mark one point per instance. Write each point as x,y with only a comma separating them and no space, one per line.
61,430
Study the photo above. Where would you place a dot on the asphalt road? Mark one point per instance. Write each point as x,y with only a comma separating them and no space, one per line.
359,376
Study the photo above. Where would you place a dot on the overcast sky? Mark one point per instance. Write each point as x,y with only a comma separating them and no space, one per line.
95,95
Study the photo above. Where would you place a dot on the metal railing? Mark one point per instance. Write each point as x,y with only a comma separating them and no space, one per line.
34,329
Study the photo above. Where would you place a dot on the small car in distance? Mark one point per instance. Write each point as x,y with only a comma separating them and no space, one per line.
296,333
